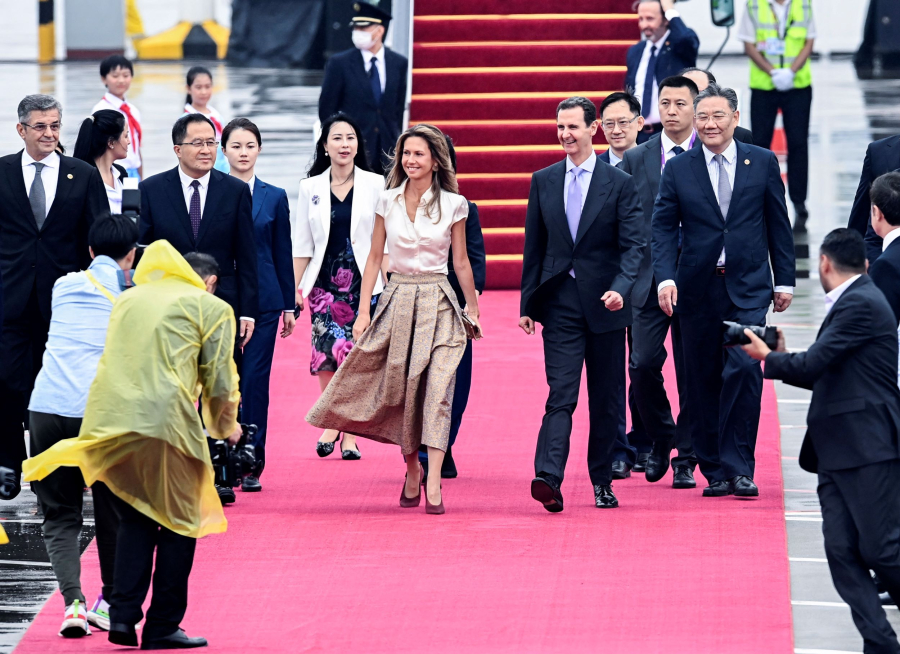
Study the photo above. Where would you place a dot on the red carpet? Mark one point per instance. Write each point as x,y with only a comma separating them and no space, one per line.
324,560
491,73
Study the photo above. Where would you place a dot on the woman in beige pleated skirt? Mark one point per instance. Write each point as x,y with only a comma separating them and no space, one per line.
396,384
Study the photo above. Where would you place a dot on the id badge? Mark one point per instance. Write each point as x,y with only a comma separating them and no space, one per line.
775,47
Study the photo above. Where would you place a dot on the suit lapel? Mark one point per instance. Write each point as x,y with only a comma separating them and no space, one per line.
698,166
598,191
323,190
211,208
259,196
360,68
556,183
741,171
63,188
356,208
391,75
17,181
652,163
176,198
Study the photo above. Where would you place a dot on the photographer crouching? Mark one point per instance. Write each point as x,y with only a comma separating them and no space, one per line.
852,431
169,338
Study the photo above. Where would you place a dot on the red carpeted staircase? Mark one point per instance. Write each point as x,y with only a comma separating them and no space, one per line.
490,73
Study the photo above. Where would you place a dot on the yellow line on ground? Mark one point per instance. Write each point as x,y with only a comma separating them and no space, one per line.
530,95
504,257
544,17
469,44
520,69
518,148
502,230
493,176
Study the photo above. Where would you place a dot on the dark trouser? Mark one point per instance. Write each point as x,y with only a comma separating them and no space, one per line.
460,397
628,445
645,365
60,495
570,346
139,538
257,368
795,110
22,344
724,385
861,525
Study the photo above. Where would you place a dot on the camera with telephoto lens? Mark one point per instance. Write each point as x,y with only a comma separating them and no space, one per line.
9,483
232,463
733,334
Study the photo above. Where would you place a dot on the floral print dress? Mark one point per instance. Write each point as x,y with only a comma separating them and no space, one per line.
334,299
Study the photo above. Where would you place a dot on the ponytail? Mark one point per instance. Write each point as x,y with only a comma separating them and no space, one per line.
96,133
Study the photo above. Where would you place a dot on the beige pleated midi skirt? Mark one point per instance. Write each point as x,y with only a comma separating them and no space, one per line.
396,384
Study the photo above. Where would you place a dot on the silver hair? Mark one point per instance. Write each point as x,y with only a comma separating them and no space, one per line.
716,91
37,102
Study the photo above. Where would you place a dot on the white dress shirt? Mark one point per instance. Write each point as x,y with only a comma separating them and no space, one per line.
712,168
613,159
747,28
889,238
49,175
668,145
252,184
109,101
114,193
189,190
652,117
832,296
378,58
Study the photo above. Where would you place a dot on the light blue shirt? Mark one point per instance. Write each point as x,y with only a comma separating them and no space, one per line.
77,336
584,179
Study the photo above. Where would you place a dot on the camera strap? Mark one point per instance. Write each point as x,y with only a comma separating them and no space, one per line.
100,287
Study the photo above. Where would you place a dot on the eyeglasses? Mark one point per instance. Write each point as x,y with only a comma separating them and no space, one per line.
200,144
623,124
41,127
718,118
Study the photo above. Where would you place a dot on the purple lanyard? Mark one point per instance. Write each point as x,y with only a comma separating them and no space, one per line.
663,148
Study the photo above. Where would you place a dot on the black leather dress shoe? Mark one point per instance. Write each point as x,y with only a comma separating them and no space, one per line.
448,469
658,461
620,470
640,465
250,484
123,634
226,494
547,494
683,478
744,487
719,489
178,640
604,497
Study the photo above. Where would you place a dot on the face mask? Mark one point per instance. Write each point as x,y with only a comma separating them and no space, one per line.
362,39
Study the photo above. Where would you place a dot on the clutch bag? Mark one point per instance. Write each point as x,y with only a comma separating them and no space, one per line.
472,329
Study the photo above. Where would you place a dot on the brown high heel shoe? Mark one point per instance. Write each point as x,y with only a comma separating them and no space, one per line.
434,509
410,502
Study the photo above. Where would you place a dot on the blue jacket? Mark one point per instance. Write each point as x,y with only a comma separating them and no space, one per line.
272,227
756,229
881,157
677,53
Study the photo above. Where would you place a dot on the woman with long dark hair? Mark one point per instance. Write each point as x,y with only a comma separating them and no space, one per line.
331,235
103,139
199,93
397,383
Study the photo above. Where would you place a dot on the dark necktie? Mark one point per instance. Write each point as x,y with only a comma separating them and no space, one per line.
37,198
375,81
677,150
195,208
647,97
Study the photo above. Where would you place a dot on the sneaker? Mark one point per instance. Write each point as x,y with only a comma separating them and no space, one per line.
99,615
75,624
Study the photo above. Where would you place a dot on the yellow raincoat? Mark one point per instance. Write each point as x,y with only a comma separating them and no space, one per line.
168,339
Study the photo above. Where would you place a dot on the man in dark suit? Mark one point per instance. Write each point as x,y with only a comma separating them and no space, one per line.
703,78
650,405
583,248
885,271
881,157
852,431
728,198
47,205
198,209
369,83
668,46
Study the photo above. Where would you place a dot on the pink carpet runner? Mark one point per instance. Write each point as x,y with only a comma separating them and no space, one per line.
324,560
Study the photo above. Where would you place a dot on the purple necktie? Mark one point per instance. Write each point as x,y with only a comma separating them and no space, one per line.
195,208
573,203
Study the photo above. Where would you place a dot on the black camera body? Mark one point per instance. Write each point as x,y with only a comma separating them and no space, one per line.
233,462
733,334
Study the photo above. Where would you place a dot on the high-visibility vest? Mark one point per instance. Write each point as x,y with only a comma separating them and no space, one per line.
794,38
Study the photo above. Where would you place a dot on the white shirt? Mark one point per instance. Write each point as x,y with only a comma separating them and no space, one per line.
652,117
747,28
378,58
133,158
613,159
668,145
49,175
252,184
189,190
423,246
832,296
114,194
889,238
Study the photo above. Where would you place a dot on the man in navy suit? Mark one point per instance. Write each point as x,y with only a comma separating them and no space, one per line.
198,209
369,83
885,271
669,46
881,157
728,198
583,249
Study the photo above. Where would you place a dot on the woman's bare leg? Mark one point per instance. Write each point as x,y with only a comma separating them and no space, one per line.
412,475
433,487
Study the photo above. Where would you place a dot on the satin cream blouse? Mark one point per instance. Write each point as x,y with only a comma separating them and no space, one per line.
423,246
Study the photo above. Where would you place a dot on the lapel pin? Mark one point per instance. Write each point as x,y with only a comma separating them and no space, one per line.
70,176
746,162
667,43
315,199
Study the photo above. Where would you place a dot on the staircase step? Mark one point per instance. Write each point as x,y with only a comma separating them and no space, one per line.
542,52
526,27
510,240
497,159
492,106
501,215
433,7
504,272
492,187
502,132
516,79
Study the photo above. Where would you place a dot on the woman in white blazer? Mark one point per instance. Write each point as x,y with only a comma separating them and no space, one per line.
331,235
